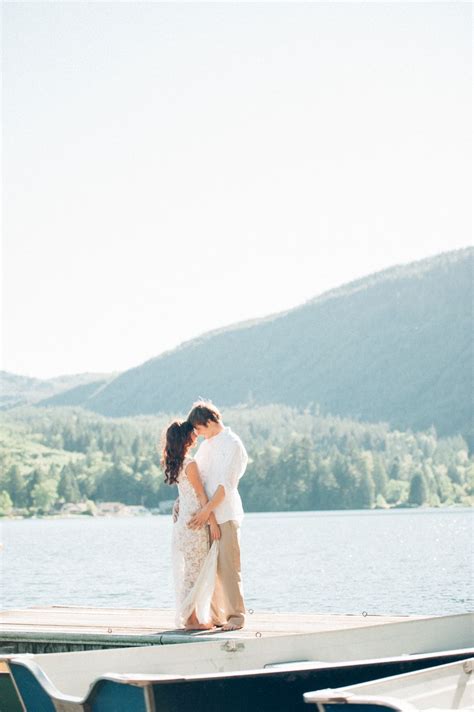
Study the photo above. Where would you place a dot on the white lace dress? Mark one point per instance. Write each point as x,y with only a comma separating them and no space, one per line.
194,561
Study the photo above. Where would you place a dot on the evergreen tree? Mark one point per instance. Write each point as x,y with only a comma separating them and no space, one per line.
16,486
395,469
418,489
328,492
380,476
136,447
68,489
6,503
35,478
365,495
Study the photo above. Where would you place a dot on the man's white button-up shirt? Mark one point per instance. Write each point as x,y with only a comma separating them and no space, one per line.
222,460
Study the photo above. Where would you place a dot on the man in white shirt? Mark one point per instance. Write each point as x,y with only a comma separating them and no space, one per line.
222,460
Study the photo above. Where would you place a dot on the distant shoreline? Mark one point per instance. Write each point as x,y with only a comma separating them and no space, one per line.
124,514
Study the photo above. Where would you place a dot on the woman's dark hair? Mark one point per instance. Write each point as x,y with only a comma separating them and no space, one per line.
202,412
178,439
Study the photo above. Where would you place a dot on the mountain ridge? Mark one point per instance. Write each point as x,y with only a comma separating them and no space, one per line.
383,322
392,346
17,389
342,290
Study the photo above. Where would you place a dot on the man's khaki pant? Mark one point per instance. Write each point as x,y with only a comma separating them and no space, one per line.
228,601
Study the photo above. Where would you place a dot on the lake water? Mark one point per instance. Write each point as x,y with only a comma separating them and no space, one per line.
399,561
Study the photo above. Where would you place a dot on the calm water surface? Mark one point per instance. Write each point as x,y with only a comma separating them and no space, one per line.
399,561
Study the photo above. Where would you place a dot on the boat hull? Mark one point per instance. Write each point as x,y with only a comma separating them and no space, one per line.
263,690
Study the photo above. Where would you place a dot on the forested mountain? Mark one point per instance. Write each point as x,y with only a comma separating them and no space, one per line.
395,347
16,390
76,395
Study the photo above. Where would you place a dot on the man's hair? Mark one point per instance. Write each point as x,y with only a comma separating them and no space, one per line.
202,412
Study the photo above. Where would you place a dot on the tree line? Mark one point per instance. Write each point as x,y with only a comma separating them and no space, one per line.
299,460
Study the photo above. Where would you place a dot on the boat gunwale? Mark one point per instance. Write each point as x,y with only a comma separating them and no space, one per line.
138,680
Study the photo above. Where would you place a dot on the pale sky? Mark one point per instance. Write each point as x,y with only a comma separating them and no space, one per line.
170,168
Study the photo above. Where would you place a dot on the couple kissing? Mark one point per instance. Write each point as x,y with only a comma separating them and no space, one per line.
207,518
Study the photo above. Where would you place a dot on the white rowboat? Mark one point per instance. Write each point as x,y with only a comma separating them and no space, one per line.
446,687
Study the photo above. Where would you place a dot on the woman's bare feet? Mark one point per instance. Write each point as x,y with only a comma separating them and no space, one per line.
231,626
198,626
193,624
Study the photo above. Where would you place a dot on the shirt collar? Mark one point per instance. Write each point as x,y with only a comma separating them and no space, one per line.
217,437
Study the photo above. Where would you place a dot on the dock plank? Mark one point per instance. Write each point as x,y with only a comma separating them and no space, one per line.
154,621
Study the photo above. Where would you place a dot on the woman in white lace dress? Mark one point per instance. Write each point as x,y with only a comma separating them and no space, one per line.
194,559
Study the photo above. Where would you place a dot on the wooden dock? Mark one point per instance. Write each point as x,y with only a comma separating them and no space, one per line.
64,628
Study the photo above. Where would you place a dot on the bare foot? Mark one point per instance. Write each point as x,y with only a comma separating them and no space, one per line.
231,626
199,626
